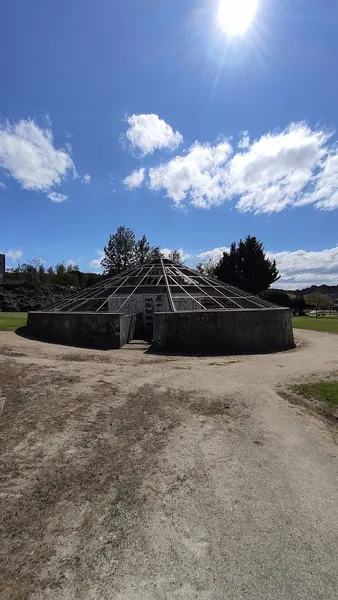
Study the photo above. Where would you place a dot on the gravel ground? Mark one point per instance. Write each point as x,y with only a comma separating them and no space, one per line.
132,476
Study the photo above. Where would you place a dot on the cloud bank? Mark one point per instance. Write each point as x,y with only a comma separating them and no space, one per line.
294,167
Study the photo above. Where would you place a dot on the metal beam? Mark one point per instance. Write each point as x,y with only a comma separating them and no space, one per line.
133,292
171,302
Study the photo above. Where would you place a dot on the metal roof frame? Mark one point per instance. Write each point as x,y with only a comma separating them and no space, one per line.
160,276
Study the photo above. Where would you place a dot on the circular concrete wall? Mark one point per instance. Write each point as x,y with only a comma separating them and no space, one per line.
225,332
91,330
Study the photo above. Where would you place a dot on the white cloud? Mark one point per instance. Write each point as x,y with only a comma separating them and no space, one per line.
294,167
57,197
135,179
147,133
275,169
14,254
27,153
244,141
2,185
196,175
86,179
213,255
325,190
301,268
96,262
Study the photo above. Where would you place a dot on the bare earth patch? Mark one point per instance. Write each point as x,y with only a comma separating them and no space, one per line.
128,475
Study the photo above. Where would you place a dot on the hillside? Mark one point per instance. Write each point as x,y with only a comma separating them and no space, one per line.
327,290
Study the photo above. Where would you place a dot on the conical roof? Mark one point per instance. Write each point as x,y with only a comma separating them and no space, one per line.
184,289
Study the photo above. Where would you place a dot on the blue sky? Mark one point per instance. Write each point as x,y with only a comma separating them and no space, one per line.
149,114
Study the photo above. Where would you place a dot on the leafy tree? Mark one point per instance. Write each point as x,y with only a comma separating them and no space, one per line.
318,301
41,273
331,303
176,256
277,297
298,304
247,267
142,250
30,274
120,251
206,268
155,252
60,271
123,251
145,252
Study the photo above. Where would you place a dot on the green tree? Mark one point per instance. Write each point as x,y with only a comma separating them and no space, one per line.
206,268
247,267
298,304
120,251
30,274
155,252
176,256
144,251
330,304
318,301
60,271
123,251
277,297
42,273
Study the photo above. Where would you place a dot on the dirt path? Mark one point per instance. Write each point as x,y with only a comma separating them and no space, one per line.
131,476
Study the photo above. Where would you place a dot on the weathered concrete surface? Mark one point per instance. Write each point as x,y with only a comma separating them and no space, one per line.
130,476
93,330
127,328
224,332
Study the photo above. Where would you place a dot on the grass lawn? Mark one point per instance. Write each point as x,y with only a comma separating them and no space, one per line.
316,323
9,321
323,392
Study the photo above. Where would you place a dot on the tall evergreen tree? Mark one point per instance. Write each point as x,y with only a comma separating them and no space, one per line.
247,267
142,250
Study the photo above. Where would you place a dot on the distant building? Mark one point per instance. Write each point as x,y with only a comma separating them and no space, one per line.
2,268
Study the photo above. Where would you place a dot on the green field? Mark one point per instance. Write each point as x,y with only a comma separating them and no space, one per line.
9,321
325,392
316,323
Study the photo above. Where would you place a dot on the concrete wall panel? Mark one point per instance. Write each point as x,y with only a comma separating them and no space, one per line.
224,332
127,328
95,330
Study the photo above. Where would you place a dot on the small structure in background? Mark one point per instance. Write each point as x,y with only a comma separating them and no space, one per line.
176,307
2,268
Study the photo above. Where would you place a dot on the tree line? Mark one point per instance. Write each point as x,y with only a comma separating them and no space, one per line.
31,286
36,274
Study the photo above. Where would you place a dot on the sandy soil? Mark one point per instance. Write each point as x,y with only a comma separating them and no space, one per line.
131,476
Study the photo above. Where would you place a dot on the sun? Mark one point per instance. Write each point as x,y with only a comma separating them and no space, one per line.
235,16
